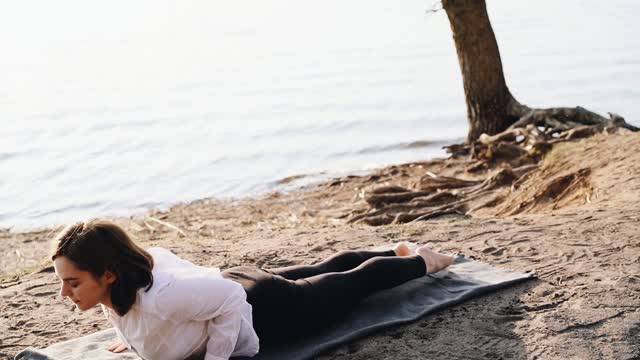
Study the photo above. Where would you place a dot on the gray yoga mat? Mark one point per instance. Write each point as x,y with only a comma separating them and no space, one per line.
404,303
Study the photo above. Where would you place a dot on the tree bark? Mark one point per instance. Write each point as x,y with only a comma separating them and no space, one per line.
487,96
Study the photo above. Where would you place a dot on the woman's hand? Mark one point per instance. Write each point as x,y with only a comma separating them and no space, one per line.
116,346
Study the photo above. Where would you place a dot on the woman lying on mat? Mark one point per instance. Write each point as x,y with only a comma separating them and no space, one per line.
164,307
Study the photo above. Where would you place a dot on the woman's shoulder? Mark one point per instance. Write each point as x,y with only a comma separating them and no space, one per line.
157,251
165,260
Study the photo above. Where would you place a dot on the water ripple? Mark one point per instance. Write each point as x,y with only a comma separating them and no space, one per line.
394,147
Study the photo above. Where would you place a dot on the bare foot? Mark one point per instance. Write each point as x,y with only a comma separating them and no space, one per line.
435,261
401,249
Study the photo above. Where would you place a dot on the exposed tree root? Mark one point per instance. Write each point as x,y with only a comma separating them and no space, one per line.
496,166
563,119
431,182
414,197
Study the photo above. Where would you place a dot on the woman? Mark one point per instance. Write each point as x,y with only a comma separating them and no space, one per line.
164,307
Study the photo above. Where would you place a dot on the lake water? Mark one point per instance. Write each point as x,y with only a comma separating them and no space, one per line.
112,108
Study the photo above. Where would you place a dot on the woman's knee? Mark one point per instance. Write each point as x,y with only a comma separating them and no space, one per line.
346,259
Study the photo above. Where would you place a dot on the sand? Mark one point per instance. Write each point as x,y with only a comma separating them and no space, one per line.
584,303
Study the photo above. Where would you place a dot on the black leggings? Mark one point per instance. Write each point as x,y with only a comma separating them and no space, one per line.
292,301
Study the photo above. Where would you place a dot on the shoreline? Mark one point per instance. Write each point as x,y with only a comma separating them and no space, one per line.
283,185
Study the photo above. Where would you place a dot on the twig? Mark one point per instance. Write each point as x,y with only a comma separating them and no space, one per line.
2,346
148,226
10,284
39,285
171,226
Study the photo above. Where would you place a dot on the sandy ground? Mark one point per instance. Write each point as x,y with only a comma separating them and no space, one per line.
584,303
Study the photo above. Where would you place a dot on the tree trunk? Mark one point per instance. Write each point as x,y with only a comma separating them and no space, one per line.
488,98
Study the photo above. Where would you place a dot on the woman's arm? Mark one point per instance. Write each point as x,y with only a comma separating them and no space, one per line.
119,344
224,329
215,300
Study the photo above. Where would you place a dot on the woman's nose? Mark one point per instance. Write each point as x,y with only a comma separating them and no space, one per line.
63,290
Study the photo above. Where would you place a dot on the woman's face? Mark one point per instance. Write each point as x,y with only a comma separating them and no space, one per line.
81,287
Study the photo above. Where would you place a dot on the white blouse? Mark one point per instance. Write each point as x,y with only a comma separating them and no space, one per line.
189,310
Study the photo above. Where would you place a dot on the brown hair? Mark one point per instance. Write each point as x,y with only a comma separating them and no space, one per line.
100,245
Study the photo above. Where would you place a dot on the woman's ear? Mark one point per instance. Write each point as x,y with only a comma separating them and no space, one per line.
109,277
